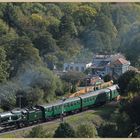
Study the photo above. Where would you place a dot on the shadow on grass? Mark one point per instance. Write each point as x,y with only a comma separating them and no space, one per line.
104,111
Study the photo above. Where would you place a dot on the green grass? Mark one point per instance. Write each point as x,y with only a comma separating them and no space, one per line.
94,116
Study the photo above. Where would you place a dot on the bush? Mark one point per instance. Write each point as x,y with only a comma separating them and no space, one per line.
86,131
64,130
37,132
108,129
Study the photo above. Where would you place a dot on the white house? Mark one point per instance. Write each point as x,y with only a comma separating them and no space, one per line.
80,67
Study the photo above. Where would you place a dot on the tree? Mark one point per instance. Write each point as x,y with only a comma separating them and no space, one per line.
97,41
132,109
67,26
3,28
121,118
4,65
107,78
64,130
51,60
68,44
104,24
45,43
84,15
134,84
38,77
108,130
53,10
86,131
73,78
124,81
37,132
132,51
31,97
24,50
59,87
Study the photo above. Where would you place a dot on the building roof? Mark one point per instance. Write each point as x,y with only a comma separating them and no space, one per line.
120,61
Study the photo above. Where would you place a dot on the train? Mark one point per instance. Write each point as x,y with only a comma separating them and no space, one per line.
42,113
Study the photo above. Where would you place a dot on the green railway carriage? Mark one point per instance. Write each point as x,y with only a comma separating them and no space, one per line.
47,110
114,91
95,97
52,110
87,100
57,108
72,104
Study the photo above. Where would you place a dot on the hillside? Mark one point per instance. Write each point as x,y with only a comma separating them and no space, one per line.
35,38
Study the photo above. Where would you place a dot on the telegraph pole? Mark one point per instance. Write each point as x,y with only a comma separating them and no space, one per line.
62,113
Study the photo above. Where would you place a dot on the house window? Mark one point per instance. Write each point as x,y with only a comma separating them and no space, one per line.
82,69
66,68
71,68
77,68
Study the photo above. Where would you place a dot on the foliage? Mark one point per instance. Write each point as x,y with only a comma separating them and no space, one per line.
73,77
4,65
132,109
124,80
134,48
37,132
108,129
59,87
134,84
64,130
86,131
40,35
115,127
84,15
107,78
45,43
122,118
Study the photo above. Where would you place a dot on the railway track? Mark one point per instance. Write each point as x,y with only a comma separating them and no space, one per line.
55,120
